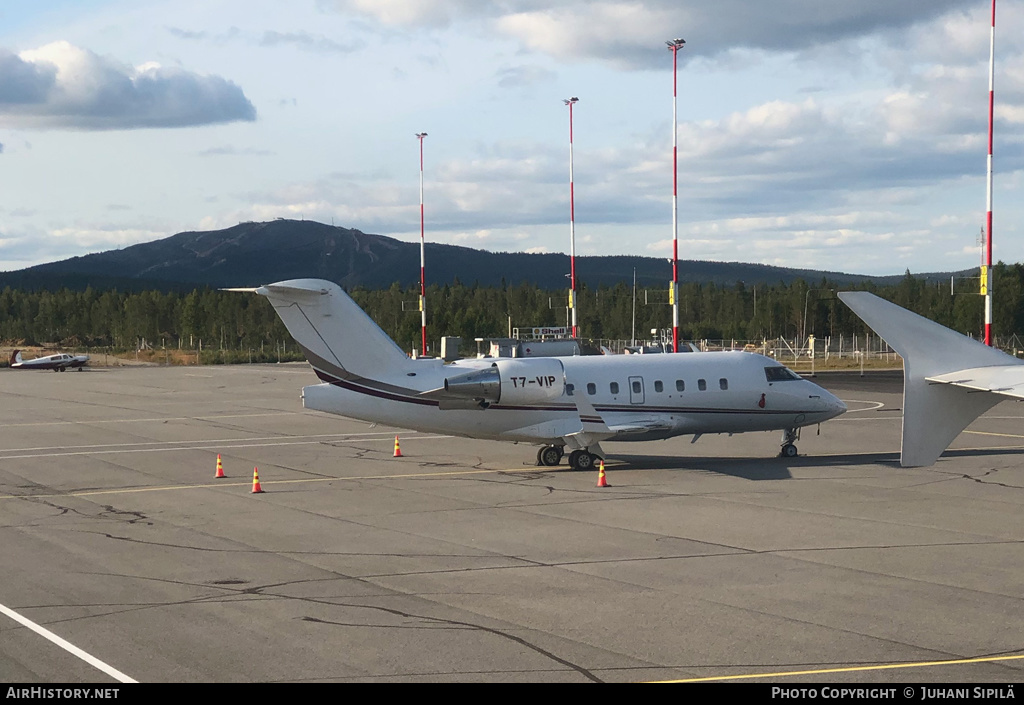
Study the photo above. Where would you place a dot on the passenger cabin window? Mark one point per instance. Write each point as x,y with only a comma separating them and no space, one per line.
614,387
591,388
568,389
636,387
702,385
658,386
723,383
779,374
680,385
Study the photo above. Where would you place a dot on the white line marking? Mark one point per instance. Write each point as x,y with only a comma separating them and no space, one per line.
870,418
227,445
877,405
162,418
67,646
193,440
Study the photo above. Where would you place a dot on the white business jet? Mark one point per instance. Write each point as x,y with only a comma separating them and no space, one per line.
948,379
562,404
57,363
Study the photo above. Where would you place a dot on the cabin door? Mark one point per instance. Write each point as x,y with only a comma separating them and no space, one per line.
636,390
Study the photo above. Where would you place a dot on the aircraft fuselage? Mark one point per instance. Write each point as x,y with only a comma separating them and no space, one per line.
654,396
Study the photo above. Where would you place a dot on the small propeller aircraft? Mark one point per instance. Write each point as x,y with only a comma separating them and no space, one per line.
567,404
57,363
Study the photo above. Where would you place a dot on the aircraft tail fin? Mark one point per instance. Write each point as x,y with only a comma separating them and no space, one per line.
16,358
934,411
339,340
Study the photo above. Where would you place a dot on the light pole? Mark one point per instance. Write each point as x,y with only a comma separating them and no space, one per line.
803,326
634,307
572,226
674,46
423,278
986,274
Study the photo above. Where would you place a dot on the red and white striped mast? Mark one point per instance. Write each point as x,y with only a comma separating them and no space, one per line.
423,278
674,46
986,275
572,227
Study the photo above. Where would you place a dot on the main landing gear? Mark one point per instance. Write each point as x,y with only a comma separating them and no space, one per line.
551,456
789,436
582,460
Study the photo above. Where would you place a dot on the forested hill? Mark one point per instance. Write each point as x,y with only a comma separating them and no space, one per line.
259,253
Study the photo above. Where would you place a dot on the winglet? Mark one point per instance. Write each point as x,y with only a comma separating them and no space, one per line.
933,414
593,427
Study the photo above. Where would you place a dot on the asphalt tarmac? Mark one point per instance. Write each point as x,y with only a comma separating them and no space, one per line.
123,557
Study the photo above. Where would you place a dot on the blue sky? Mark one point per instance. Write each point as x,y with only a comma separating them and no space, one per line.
812,133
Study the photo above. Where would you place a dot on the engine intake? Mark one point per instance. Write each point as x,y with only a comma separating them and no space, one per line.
511,382
484,385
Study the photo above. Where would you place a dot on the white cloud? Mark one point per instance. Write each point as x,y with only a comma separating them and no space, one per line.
32,245
525,75
63,86
308,42
417,13
631,33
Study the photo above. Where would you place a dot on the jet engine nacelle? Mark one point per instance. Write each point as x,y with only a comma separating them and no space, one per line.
511,382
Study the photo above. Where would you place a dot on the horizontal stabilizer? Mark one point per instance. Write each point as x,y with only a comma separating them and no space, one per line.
1007,380
948,379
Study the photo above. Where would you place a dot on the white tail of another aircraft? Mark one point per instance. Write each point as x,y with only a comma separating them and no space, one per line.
948,379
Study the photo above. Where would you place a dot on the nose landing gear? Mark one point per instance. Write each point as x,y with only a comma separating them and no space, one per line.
789,436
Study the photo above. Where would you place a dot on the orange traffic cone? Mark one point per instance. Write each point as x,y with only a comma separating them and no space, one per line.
220,467
601,482
398,451
256,489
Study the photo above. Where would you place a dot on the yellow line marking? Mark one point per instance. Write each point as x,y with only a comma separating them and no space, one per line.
247,483
850,669
988,433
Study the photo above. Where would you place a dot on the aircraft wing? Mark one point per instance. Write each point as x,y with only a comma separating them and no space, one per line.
1007,380
592,428
639,426
559,428
583,431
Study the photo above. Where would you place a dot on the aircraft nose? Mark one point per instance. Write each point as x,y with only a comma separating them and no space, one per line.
835,405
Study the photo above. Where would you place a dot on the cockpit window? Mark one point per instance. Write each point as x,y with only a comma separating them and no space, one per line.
779,374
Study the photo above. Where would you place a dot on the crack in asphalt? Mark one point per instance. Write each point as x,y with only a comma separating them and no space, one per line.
979,479
586,673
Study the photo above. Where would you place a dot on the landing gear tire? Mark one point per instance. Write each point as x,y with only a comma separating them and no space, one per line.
582,460
549,456
789,437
